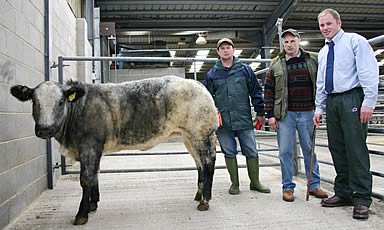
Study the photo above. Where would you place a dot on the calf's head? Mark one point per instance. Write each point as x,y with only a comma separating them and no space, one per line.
49,104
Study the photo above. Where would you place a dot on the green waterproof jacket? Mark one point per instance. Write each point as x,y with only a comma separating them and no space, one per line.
232,88
276,83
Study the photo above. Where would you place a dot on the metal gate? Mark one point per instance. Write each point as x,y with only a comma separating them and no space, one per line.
268,149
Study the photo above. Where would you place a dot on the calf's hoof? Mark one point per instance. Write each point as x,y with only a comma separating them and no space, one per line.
80,220
203,206
92,207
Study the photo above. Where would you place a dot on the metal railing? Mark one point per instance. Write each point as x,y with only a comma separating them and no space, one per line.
62,59
299,158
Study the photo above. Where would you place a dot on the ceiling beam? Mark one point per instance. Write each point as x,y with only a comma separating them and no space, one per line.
192,26
356,16
313,22
335,5
180,2
284,10
107,12
178,28
184,21
346,29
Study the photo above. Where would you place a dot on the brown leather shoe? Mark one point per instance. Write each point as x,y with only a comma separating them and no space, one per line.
318,193
360,212
335,201
288,196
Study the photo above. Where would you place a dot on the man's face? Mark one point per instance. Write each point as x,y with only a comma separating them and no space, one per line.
225,51
329,26
291,44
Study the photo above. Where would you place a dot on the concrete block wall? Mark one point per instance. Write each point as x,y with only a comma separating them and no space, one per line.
84,48
63,32
23,157
121,75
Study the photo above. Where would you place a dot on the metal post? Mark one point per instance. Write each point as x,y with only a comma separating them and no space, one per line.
96,65
47,70
60,66
89,6
109,62
61,79
115,56
279,25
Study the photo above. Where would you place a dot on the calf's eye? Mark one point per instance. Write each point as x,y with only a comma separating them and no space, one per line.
61,102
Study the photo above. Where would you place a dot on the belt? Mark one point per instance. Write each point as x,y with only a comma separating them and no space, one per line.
346,92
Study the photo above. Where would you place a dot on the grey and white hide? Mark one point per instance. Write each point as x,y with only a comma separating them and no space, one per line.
91,119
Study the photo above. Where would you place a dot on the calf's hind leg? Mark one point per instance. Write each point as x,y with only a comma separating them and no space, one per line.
204,153
195,154
208,155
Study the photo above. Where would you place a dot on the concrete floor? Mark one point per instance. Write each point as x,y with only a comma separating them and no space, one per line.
164,200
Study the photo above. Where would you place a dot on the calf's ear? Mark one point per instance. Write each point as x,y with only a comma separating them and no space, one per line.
74,93
21,92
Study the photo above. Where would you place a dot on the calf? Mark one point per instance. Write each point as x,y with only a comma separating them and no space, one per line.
89,119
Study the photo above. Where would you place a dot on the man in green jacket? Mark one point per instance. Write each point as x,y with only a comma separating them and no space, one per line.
289,103
232,84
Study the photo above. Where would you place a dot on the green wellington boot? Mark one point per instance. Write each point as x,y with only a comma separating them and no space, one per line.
231,164
253,173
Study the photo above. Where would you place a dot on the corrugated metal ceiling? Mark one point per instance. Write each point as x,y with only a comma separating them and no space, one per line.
252,23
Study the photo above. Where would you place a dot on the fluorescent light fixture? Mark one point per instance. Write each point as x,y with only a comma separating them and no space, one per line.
304,43
198,66
188,32
202,53
237,52
137,33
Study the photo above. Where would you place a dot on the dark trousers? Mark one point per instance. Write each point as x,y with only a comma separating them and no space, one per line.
347,144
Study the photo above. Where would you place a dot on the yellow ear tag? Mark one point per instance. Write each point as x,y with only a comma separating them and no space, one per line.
72,97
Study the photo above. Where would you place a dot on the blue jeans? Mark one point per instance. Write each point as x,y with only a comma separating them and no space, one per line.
247,140
286,138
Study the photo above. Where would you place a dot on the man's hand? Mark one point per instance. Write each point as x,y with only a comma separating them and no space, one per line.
272,122
365,114
259,119
316,120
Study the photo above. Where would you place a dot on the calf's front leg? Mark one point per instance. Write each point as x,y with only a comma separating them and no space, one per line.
95,196
89,162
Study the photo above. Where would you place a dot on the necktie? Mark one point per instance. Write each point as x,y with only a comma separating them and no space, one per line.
329,70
